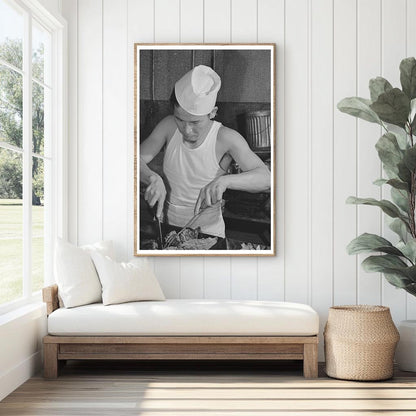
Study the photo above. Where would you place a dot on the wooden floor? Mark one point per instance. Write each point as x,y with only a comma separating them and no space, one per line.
191,389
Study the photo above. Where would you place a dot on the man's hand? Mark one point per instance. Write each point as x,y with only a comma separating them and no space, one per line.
211,194
156,192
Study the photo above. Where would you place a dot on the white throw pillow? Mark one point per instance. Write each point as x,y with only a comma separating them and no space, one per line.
75,273
126,282
103,247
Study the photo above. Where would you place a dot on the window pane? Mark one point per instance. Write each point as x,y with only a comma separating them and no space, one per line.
38,230
11,34
41,46
11,226
38,118
11,107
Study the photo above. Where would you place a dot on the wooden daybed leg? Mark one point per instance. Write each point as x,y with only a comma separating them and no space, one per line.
50,360
310,360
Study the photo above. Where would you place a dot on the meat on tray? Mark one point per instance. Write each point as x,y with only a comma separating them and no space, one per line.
188,239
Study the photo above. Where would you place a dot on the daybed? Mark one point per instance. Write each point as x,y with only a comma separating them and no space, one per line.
181,329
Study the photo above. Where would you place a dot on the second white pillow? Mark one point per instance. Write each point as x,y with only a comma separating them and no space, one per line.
126,282
75,273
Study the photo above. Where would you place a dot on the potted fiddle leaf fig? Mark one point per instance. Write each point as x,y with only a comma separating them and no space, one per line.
394,109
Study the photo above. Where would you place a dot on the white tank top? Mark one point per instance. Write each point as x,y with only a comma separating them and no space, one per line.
186,172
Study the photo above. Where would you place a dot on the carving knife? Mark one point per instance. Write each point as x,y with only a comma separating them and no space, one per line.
159,229
160,237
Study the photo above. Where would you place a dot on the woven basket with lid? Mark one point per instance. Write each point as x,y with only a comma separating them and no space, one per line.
360,341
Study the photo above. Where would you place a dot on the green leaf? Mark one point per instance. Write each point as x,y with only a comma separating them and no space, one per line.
410,158
398,184
366,243
378,86
412,115
389,208
390,173
395,183
411,273
400,228
411,289
380,182
381,263
400,198
404,173
396,271
408,249
392,107
408,77
397,280
389,151
359,107
401,137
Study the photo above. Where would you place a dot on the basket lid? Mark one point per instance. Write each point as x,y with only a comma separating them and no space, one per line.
360,308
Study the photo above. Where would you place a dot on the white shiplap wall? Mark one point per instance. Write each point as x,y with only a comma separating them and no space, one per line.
326,50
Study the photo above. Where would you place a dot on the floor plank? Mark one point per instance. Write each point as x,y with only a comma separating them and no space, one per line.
226,389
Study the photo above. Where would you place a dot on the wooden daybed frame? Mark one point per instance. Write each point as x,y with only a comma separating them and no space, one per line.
58,349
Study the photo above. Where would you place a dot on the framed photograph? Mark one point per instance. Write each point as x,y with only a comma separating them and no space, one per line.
204,174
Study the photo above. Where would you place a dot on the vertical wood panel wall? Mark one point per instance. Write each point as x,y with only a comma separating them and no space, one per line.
326,50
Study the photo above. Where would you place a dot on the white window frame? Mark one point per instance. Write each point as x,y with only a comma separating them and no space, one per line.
58,211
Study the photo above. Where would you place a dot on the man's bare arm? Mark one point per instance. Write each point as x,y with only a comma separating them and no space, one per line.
153,144
149,148
145,172
254,178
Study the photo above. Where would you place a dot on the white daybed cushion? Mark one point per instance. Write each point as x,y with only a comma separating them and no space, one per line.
75,273
187,317
126,282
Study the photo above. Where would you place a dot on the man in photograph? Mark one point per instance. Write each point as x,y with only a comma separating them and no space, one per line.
198,153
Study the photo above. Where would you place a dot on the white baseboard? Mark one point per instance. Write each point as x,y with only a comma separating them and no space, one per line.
10,380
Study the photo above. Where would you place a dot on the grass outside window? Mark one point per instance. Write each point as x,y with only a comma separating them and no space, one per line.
11,249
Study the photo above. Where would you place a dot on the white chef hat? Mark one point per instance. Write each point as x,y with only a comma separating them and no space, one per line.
197,90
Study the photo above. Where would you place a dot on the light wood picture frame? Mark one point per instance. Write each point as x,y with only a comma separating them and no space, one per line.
173,142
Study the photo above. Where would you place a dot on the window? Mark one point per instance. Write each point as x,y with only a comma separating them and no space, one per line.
31,142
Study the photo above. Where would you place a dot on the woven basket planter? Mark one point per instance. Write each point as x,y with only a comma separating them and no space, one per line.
360,341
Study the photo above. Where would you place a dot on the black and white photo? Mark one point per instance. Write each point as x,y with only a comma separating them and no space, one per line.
204,149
